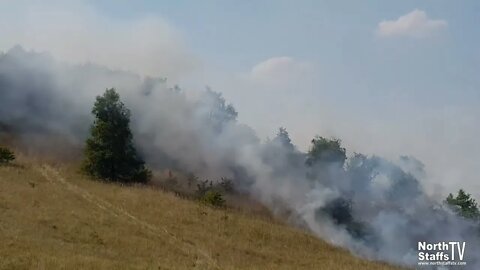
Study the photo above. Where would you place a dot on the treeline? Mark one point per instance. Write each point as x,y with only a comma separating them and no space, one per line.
111,156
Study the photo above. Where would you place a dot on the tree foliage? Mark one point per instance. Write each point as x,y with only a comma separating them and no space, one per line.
463,204
6,155
340,211
109,152
283,138
217,112
326,151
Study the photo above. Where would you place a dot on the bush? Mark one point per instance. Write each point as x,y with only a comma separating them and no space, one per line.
6,156
213,198
212,194
203,187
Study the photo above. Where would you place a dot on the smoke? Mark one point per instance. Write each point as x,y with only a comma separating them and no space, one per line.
373,207
75,32
78,31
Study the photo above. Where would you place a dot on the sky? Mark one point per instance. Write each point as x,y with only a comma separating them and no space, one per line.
387,77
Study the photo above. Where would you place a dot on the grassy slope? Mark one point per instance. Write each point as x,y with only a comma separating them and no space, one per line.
54,218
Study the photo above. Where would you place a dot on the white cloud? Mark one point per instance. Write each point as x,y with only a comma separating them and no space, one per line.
280,71
75,32
414,24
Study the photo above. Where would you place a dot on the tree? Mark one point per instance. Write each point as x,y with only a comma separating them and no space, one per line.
464,205
283,139
280,151
326,151
109,152
339,210
6,156
361,170
216,111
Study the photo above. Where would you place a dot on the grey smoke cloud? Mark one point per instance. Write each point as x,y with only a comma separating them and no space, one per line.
75,32
277,91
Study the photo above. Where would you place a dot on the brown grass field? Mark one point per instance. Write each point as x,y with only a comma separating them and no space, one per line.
52,217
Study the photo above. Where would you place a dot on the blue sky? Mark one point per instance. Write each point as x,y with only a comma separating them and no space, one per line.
318,30
387,77
338,36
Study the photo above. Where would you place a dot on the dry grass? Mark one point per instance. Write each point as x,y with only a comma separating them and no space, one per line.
54,218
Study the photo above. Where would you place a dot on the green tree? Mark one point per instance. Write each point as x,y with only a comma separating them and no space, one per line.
109,152
326,151
339,211
463,204
283,139
216,111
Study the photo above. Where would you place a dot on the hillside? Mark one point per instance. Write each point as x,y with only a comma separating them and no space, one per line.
52,217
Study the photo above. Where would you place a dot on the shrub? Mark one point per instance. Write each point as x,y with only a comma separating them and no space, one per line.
203,187
6,155
212,194
214,198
